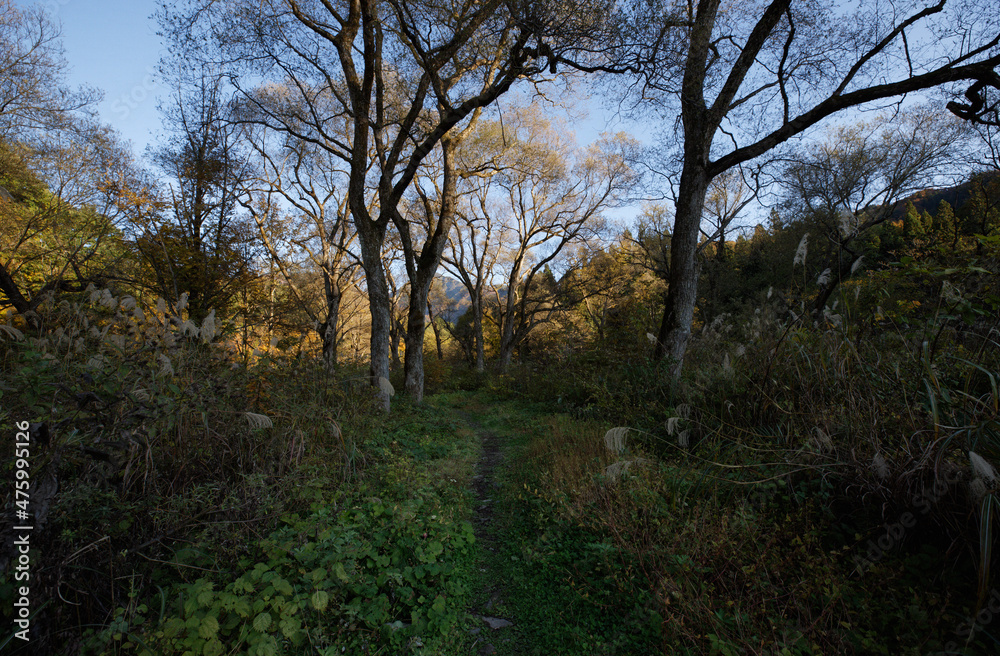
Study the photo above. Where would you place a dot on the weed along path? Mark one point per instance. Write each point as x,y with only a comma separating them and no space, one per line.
543,582
461,535
489,596
478,526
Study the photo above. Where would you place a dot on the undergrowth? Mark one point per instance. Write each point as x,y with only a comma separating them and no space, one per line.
814,484
176,487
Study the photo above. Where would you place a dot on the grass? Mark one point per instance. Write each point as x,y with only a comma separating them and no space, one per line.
212,509
559,581
378,568
178,483
708,551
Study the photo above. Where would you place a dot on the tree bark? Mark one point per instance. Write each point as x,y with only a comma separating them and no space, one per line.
682,292
477,331
378,304
9,287
416,326
329,328
660,351
506,342
436,329
422,271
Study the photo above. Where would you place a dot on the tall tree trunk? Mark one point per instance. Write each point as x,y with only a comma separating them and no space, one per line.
379,305
329,327
395,334
10,288
416,325
436,329
506,342
682,293
661,335
699,128
477,330
422,274
508,313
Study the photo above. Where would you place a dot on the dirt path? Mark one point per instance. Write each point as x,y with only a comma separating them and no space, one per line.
490,635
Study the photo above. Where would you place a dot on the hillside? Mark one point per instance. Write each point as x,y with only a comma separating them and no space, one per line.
928,200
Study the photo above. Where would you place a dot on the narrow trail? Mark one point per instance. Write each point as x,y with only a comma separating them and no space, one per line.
489,636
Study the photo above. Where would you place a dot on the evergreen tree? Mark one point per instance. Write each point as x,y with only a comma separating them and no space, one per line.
915,226
945,225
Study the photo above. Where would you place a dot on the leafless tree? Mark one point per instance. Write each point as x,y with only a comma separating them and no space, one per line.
200,243
34,96
298,202
79,183
538,197
856,178
745,77
403,74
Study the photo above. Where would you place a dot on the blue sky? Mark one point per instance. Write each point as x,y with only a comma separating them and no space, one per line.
112,45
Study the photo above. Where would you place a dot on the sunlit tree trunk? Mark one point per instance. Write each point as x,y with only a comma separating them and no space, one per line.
422,275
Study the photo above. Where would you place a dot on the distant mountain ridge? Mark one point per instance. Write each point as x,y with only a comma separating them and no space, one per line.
457,295
927,200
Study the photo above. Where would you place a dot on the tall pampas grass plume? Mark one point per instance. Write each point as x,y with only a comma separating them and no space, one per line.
977,489
189,329
801,251
981,468
824,278
11,332
823,439
208,328
614,439
166,368
848,223
386,387
258,420
880,466
615,469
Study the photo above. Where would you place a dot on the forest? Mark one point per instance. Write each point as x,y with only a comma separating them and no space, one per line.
368,354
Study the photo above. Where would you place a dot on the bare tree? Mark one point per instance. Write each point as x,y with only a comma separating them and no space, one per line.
305,186
70,194
472,258
199,244
34,97
475,244
403,74
745,78
856,179
542,197
67,182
